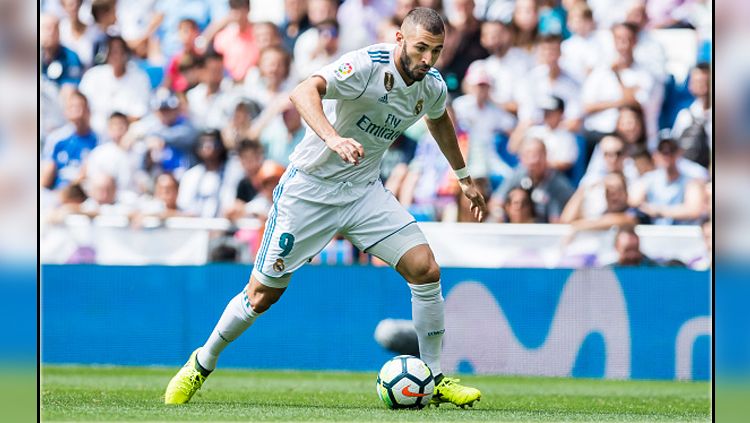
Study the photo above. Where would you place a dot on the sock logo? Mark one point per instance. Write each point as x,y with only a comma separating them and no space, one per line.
436,332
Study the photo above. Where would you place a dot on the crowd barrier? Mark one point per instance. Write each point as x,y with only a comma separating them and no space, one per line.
626,323
186,241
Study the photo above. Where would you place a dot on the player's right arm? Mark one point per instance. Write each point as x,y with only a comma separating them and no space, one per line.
307,98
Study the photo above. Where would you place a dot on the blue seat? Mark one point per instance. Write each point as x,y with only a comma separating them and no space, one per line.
155,73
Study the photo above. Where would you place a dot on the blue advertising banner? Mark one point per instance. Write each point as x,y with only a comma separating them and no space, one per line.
639,323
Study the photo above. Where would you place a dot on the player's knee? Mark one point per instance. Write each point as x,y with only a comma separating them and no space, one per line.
427,271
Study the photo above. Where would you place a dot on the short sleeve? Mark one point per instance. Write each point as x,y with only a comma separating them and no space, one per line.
347,77
438,107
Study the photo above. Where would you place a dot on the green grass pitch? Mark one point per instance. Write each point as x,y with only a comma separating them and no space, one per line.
134,393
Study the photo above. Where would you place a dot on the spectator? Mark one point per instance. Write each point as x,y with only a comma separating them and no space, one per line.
68,147
71,197
295,22
550,190
164,202
268,178
165,137
251,158
114,157
210,102
526,22
482,120
237,42
669,196
616,213
200,11
631,128
117,86
267,35
548,79
506,64
316,48
102,191
105,21
271,78
608,88
59,64
402,8
611,149
174,79
462,45
692,127
281,129
648,52
75,34
562,149
205,190
552,18
642,160
359,21
628,247
240,125
387,30
518,207
139,21
586,47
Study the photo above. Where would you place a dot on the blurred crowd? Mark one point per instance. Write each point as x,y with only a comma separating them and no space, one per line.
567,111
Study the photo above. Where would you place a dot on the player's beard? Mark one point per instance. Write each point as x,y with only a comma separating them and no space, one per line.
406,64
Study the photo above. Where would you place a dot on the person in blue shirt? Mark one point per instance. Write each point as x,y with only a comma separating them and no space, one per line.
66,149
59,64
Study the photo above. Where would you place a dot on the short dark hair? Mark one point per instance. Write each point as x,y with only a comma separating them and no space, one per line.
239,4
633,28
640,151
118,115
246,144
218,140
428,19
100,7
550,38
703,66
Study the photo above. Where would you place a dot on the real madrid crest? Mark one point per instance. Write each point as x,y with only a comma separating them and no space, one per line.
418,107
388,81
279,265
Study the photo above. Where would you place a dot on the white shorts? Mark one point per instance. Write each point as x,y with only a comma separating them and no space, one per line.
308,212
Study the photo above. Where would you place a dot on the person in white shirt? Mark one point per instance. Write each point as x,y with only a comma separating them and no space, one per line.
77,35
548,79
482,120
315,47
586,48
271,78
562,149
210,102
609,87
355,108
205,189
117,86
114,157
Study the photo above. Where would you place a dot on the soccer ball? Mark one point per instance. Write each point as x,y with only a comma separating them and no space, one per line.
405,382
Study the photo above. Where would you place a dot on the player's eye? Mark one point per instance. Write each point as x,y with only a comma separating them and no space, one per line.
421,49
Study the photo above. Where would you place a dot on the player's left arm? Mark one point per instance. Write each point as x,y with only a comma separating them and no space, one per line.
443,131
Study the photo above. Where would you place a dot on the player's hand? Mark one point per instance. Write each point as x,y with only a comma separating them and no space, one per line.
347,148
478,206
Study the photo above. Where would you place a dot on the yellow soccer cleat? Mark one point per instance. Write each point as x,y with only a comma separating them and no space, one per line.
449,390
185,383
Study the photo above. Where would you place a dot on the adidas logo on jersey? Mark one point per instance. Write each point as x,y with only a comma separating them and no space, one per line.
384,99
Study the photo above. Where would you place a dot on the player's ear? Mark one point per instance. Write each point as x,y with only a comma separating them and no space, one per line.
400,38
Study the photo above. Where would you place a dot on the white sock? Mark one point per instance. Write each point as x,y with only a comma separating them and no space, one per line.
237,317
427,311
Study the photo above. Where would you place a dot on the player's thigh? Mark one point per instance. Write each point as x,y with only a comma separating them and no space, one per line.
295,232
379,225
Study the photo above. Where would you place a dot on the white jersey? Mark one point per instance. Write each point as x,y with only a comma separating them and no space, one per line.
367,100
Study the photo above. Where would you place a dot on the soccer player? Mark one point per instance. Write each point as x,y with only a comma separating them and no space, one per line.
355,108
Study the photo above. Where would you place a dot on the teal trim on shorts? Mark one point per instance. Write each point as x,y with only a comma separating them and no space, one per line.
270,228
385,237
